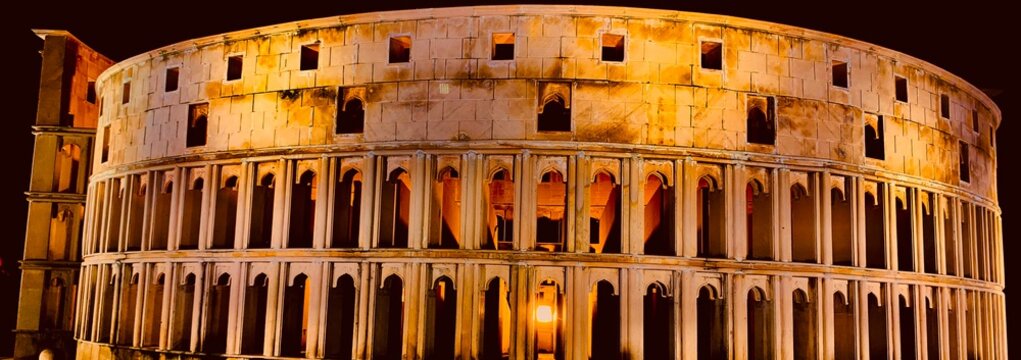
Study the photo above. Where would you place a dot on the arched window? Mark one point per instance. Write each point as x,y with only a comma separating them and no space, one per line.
844,343
710,219
153,312
874,146
500,211
261,231
551,212
604,214
106,325
303,210
192,216
445,219
226,214
294,330
803,309
387,343
761,123
184,303
803,230
605,316
905,234
907,328
759,214
136,214
928,233
841,223
496,321
441,317
549,323
218,316
877,328
658,323
113,235
254,317
197,124
161,218
760,325
659,216
555,115
395,210
351,117
126,317
347,208
340,319
932,327
66,172
875,239
711,318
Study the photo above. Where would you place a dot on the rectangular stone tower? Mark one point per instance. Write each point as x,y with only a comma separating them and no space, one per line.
64,132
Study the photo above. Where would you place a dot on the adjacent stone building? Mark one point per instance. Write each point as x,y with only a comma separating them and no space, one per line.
538,182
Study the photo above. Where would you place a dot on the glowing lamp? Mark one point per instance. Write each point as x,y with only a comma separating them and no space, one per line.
544,314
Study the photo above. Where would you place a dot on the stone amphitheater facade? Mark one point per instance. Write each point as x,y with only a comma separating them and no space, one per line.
540,182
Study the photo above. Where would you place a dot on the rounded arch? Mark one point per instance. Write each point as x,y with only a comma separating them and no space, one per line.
444,278
307,177
604,282
353,103
603,175
837,193
230,182
189,279
551,175
298,280
840,297
658,176
870,132
396,173
198,183
657,287
351,174
223,280
344,279
871,199
393,280
160,278
260,279
757,293
134,278
709,290
798,191
499,173
553,97
757,187
168,187
800,296
447,172
493,280
708,181
267,180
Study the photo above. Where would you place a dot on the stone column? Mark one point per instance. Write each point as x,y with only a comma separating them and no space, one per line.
210,185
282,184
324,196
688,202
277,282
783,194
579,183
740,198
244,213
367,223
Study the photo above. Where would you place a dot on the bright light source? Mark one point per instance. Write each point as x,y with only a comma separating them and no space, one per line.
544,314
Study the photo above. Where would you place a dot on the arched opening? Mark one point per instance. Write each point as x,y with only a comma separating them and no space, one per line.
153,312
347,210
950,242
114,229
932,329
953,327
496,321
389,326
161,218
351,117
54,306
294,331
604,214
805,321
659,217
875,244
226,214
218,316
844,343
441,320
192,216
658,323
500,211
905,241
445,224
760,121
907,329
710,219
340,319
126,318
549,323
841,228
63,226
197,124
90,305
106,324
303,210
970,328
967,242
184,304
261,231
759,214
551,212
874,147
66,172
803,237
394,210
928,235
877,329
136,216
604,307
254,322
760,325
57,220
711,312
555,116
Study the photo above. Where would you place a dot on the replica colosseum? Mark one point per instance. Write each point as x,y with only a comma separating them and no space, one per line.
512,182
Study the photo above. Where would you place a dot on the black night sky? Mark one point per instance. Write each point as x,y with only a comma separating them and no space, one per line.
970,39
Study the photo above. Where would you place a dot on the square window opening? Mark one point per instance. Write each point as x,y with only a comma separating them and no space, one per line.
613,47
234,67
173,75
400,49
712,55
503,46
840,74
310,57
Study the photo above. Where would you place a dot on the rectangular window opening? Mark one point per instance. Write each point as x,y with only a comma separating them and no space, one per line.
712,55
310,57
400,49
840,74
90,92
234,66
173,74
901,88
126,93
613,47
965,162
974,120
197,123
105,155
761,122
874,143
944,106
503,46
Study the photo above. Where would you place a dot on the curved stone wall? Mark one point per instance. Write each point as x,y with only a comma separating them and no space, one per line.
725,187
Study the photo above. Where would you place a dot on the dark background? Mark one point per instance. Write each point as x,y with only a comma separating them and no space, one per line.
970,39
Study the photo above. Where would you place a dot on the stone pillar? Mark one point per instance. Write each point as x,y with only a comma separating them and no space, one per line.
282,183
579,182
244,213
326,184
688,203
688,298
316,302
274,291
740,219
783,195
633,210
826,220
367,223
